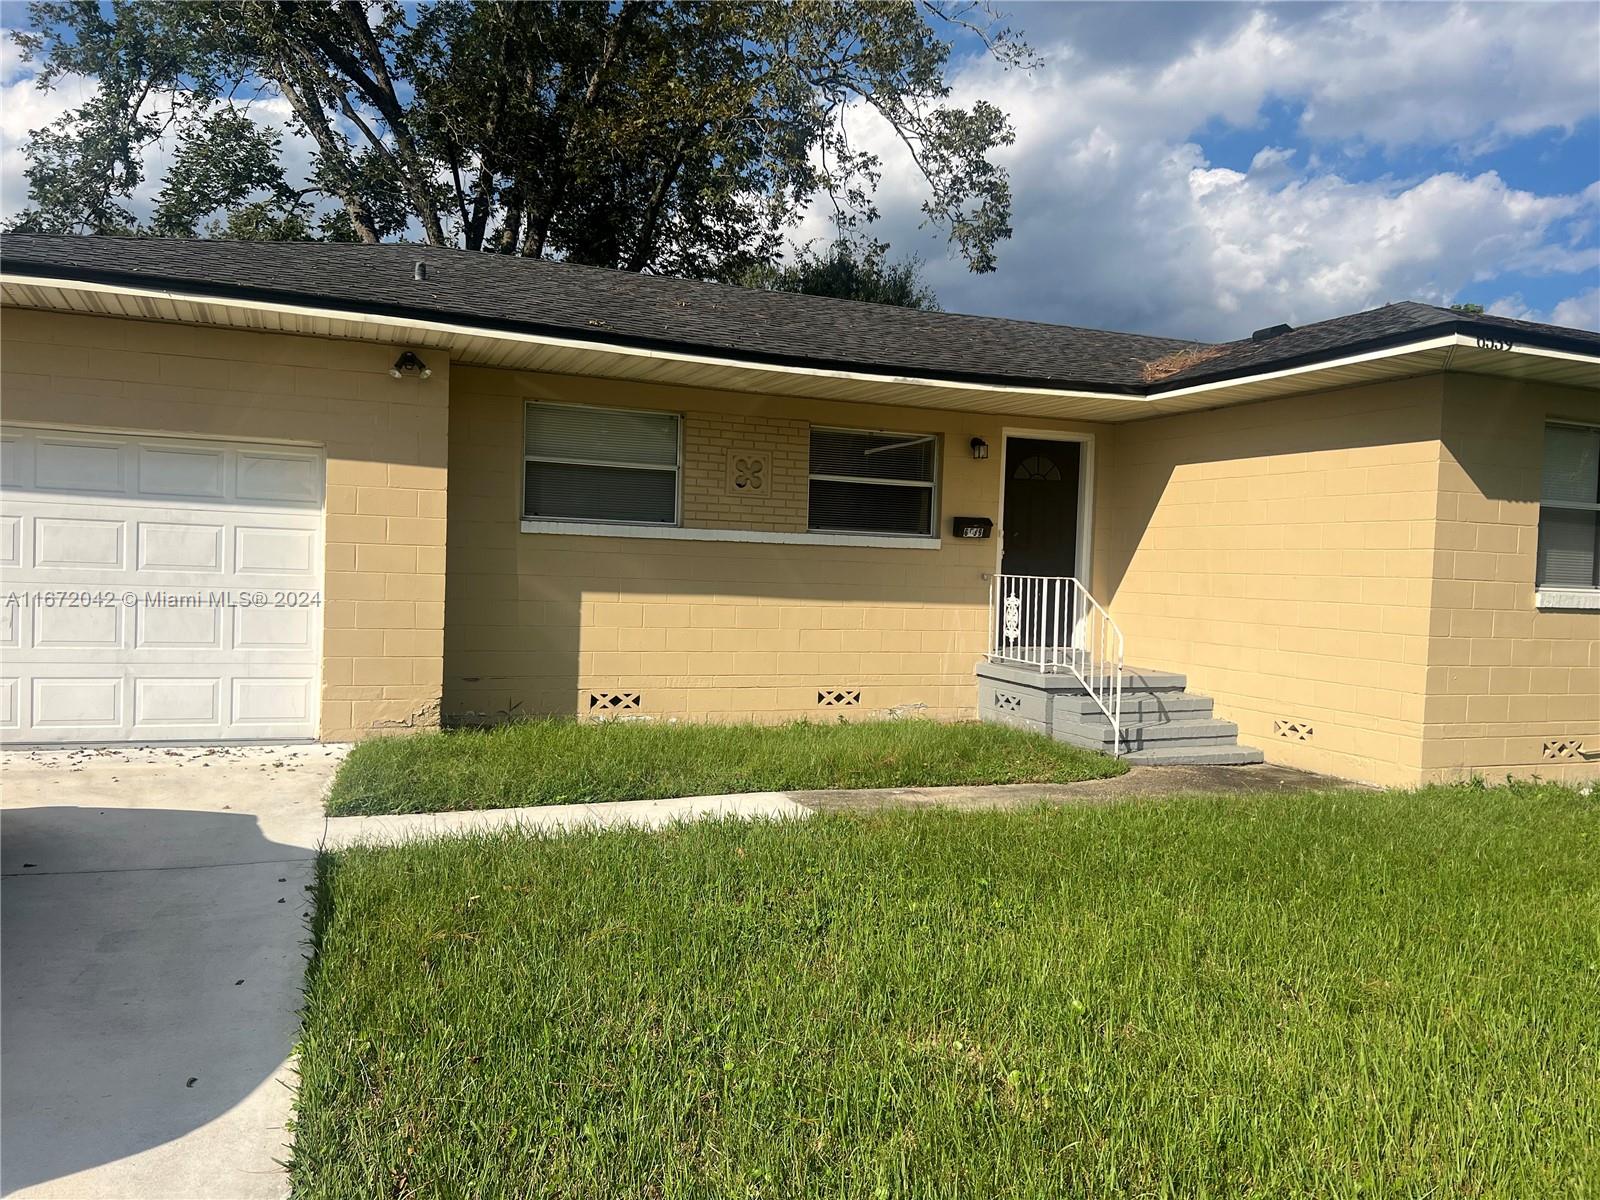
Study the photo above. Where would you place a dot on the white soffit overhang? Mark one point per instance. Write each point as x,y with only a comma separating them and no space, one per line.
471,346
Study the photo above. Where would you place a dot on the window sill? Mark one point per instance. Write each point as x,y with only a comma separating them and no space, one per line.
1579,599
675,533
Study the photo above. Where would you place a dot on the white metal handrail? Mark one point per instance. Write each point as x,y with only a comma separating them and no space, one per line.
1051,623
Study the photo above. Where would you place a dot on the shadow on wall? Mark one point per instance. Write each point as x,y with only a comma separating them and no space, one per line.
716,631
1269,488
140,1004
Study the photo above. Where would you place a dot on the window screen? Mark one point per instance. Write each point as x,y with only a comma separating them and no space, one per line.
1569,508
865,482
600,464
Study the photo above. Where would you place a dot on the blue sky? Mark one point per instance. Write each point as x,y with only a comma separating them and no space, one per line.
1206,169
1202,170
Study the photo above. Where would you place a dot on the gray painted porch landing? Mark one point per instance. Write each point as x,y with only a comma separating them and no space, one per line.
1162,722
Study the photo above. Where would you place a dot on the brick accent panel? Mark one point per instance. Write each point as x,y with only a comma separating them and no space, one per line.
778,448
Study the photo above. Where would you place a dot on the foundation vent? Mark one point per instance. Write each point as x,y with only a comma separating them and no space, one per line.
604,702
1293,731
1564,750
1007,702
839,697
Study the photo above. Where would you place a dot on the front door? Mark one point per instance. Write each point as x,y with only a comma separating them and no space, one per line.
1040,538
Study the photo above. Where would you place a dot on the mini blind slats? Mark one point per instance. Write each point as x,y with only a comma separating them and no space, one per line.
602,435
578,492
861,455
593,464
1569,537
865,482
1571,465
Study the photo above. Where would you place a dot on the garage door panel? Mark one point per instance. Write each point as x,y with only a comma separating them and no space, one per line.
95,627
269,701
191,472
74,543
16,462
10,703
172,641
190,703
273,628
10,541
169,546
77,702
78,465
288,552
285,478
178,627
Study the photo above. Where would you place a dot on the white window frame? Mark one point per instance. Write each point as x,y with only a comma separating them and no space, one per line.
1586,598
932,484
676,468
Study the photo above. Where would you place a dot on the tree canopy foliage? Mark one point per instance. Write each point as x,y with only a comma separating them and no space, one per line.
847,271
678,138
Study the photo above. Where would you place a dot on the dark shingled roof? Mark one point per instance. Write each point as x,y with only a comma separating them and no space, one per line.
1393,324
620,308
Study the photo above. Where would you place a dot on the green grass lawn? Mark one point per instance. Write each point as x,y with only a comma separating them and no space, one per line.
1345,994
563,762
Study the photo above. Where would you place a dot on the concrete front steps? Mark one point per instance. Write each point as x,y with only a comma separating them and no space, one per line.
1162,722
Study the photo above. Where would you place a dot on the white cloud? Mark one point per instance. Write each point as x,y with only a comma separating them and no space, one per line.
1120,221
1580,312
24,108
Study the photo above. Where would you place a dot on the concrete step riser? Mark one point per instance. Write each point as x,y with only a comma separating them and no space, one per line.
1135,744
1176,708
1161,722
1170,733
1188,756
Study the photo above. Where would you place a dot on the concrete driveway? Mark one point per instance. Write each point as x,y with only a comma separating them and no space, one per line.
154,907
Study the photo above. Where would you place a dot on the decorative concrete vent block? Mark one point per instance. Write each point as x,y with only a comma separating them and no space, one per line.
1007,702
1563,749
1294,731
839,697
748,474
604,702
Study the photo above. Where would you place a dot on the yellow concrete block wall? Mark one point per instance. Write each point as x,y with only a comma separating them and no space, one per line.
1281,554
713,630
1508,683
386,442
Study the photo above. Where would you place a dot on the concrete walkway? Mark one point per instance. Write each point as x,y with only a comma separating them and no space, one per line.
154,907
1139,783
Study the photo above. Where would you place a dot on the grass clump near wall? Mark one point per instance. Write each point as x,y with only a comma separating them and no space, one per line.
564,762
1338,995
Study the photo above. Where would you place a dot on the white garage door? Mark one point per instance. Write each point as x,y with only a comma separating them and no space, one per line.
158,589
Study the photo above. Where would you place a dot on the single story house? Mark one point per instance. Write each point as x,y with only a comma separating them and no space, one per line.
260,491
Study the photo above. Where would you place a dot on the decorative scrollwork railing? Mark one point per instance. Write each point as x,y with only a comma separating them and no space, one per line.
1051,623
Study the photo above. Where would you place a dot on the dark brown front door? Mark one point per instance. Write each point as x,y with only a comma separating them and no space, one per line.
1041,508
1041,539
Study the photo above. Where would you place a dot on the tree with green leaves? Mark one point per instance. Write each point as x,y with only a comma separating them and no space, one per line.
847,271
652,136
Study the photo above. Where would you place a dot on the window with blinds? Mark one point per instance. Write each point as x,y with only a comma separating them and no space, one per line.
1569,508
864,482
600,464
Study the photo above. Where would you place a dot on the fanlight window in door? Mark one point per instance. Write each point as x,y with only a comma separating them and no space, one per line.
1036,466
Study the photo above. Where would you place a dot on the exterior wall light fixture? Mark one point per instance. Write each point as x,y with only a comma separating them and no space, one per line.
980,449
408,365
